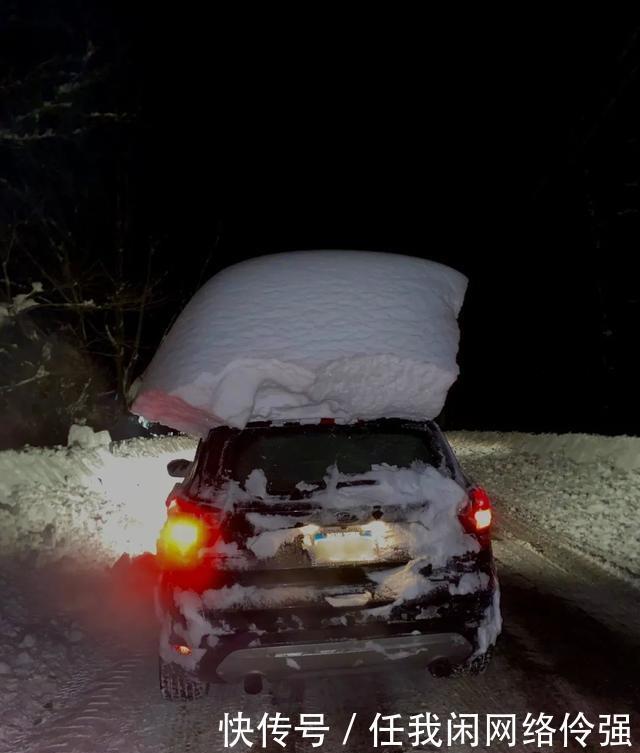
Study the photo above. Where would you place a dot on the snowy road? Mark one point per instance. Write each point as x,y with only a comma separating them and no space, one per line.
570,644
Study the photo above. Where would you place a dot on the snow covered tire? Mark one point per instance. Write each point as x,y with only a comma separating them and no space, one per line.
478,664
177,685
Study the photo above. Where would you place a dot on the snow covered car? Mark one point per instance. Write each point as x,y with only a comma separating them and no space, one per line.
296,548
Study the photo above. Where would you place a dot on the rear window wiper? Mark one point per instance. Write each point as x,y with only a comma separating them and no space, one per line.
357,482
299,494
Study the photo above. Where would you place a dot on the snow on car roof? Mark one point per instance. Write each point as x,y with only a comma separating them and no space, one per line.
308,334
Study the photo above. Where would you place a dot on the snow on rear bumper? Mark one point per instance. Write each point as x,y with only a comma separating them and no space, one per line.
343,656
353,640
449,603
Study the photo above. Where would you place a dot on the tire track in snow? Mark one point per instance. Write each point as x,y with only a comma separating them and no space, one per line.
572,625
82,727
539,576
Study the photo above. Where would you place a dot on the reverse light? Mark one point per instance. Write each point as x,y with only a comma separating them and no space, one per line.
478,515
482,519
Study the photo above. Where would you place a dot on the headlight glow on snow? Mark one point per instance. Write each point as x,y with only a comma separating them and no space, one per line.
122,489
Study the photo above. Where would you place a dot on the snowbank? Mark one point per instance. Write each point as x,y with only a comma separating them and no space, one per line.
582,489
618,452
309,334
87,500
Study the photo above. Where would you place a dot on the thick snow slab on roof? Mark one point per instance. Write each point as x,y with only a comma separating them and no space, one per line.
309,334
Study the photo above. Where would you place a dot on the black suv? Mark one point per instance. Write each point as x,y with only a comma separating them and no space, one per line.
296,548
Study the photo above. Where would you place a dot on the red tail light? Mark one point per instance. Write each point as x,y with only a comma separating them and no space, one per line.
477,516
188,530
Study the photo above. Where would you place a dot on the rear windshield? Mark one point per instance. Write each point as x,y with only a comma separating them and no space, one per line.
293,458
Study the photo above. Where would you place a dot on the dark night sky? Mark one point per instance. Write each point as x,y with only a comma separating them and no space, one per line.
467,146
479,142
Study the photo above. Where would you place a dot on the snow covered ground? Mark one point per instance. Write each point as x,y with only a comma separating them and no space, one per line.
77,643
93,499
582,489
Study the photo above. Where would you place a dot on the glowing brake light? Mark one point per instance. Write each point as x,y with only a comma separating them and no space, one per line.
477,516
182,650
182,537
182,532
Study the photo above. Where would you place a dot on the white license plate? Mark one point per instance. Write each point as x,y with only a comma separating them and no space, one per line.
343,546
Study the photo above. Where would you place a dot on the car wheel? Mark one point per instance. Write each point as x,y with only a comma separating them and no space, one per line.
478,664
177,685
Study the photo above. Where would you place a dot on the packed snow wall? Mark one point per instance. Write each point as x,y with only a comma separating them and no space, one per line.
307,335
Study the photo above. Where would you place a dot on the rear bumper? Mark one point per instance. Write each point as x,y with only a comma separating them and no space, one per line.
441,645
274,662
439,626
